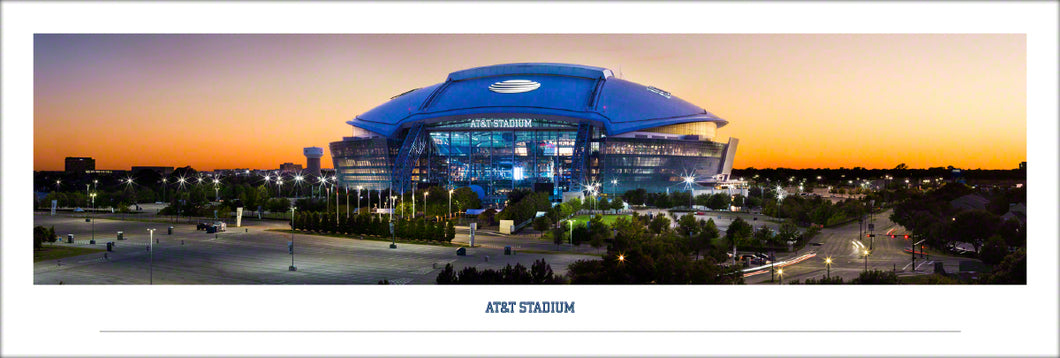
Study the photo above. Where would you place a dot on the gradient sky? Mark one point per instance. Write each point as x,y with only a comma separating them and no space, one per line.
795,101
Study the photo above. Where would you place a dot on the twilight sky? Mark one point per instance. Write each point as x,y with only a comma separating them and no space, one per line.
796,101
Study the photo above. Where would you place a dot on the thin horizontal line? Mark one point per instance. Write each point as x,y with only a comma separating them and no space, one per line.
529,331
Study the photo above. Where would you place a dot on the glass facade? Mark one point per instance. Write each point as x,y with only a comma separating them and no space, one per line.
496,155
497,160
364,161
655,164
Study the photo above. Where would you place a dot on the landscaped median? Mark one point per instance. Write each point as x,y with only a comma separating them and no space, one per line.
367,237
52,252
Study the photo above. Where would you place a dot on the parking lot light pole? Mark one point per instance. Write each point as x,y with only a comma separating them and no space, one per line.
828,264
292,268
780,276
866,253
570,236
151,254
359,198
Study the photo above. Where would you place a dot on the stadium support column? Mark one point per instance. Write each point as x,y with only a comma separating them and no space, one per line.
727,157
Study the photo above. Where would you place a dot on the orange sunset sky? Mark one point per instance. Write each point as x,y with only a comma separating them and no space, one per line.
796,101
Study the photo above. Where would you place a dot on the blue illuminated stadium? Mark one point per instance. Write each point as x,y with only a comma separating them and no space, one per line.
544,126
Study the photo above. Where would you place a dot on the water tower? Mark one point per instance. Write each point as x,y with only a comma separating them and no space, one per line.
312,159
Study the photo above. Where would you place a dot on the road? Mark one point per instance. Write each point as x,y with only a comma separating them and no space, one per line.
252,255
844,246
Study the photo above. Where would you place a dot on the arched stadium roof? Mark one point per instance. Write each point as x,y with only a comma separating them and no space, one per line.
536,90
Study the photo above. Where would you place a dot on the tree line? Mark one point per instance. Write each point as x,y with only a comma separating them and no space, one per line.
365,224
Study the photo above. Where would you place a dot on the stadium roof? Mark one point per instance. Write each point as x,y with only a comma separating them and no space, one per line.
553,91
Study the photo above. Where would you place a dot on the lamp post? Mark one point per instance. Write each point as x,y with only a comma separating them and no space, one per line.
450,204
570,235
866,255
614,188
87,194
780,276
216,190
425,204
392,208
297,183
151,255
164,190
689,180
828,265
358,199
292,267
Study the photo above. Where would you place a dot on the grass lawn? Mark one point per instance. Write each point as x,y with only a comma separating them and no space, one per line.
608,219
50,252
367,237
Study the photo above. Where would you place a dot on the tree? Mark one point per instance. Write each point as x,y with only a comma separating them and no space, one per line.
1011,270
465,198
542,223
39,232
719,201
559,235
994,250
738,200
876,277
450,231
738,231
974,227
787,232
704,237
635,197
659,224
598,231
687,225
447,276
541,272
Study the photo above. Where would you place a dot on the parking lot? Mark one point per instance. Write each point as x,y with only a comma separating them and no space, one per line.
252,255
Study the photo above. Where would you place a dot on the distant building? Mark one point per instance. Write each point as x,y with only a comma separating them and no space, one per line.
163,171
312,160
290,168
1023,166
80,164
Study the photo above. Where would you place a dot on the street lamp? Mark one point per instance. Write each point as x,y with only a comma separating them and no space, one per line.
292,267
614,187
688,181
450,203
570,236
425,204
828,264
392,207
359,198
780,276
621,258
297,183
151,254
866,255
216,189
